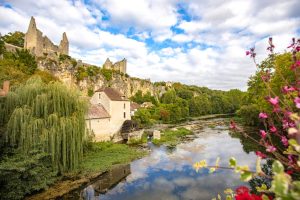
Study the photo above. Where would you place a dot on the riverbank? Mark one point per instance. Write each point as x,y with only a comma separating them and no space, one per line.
100,158
103,156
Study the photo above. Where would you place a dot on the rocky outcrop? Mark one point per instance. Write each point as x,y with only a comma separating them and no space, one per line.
67,71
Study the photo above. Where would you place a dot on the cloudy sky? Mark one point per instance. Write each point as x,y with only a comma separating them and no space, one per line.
200,42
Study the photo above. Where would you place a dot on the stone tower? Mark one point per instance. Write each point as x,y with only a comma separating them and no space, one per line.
40,45
34,39
64,45
108,64
119,66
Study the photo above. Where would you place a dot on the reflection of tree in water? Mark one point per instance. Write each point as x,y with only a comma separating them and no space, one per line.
248,144
102,184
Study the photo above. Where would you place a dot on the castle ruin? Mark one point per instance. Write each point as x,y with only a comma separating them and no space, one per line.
119,66
38,44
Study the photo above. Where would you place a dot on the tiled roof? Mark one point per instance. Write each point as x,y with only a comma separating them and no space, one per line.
97,112
113,94
134,106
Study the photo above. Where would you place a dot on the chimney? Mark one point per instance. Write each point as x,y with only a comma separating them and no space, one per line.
6,87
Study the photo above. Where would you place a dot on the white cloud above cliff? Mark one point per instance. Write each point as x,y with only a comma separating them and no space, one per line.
194,41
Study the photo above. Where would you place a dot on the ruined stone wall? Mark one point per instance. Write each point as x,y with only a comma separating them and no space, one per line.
11,48
48,46
38,45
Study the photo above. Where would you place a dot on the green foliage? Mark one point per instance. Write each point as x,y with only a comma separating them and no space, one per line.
140,98
90,92
107,74
15,38
47,117
22,60
249,114
22,174
63,57
172,137
143,117
103,155
279,65
2,47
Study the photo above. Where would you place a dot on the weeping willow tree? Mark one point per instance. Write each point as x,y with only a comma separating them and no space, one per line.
47,117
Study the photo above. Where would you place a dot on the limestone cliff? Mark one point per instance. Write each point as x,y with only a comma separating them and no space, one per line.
89,78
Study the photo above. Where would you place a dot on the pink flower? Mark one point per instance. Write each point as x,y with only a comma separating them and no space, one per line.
232,125
247,53
297,102
295,65
274,101
263,115
273,129
286,89
260,154
285,124
276,109
270,148
266,76
263,134
284,141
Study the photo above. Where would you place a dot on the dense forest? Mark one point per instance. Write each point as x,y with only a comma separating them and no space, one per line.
182,102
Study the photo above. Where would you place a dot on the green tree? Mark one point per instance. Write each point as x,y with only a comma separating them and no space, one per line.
23,60
15,38
45,117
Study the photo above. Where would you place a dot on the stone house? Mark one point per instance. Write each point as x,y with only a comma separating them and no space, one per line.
133,108
107,113
147,105
38,44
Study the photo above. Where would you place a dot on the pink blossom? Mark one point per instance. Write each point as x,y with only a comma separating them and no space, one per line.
297,102
270,148
274,101
263,115
276,109
285,124
251,52
292,124
291,159
260,154
295,65
273,129
271,46
263,134
287,113
284,141
286,89
232,125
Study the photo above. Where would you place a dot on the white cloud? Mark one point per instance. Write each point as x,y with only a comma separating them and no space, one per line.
209,52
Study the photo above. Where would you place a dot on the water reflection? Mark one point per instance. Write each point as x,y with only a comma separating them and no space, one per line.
105,182
168,174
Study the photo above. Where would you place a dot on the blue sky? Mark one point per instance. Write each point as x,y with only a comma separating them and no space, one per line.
200,42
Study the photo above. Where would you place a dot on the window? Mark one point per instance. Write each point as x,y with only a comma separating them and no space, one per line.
99,95
124,105
124,114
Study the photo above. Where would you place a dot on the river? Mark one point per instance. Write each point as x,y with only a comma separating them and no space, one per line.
168,174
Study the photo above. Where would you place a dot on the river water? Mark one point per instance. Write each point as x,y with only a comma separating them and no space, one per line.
168,174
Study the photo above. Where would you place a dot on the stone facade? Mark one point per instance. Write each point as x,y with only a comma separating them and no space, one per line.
119,66
38,44
107,122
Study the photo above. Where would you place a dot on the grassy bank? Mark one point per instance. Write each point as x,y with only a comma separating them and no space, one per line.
102,155
172,137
